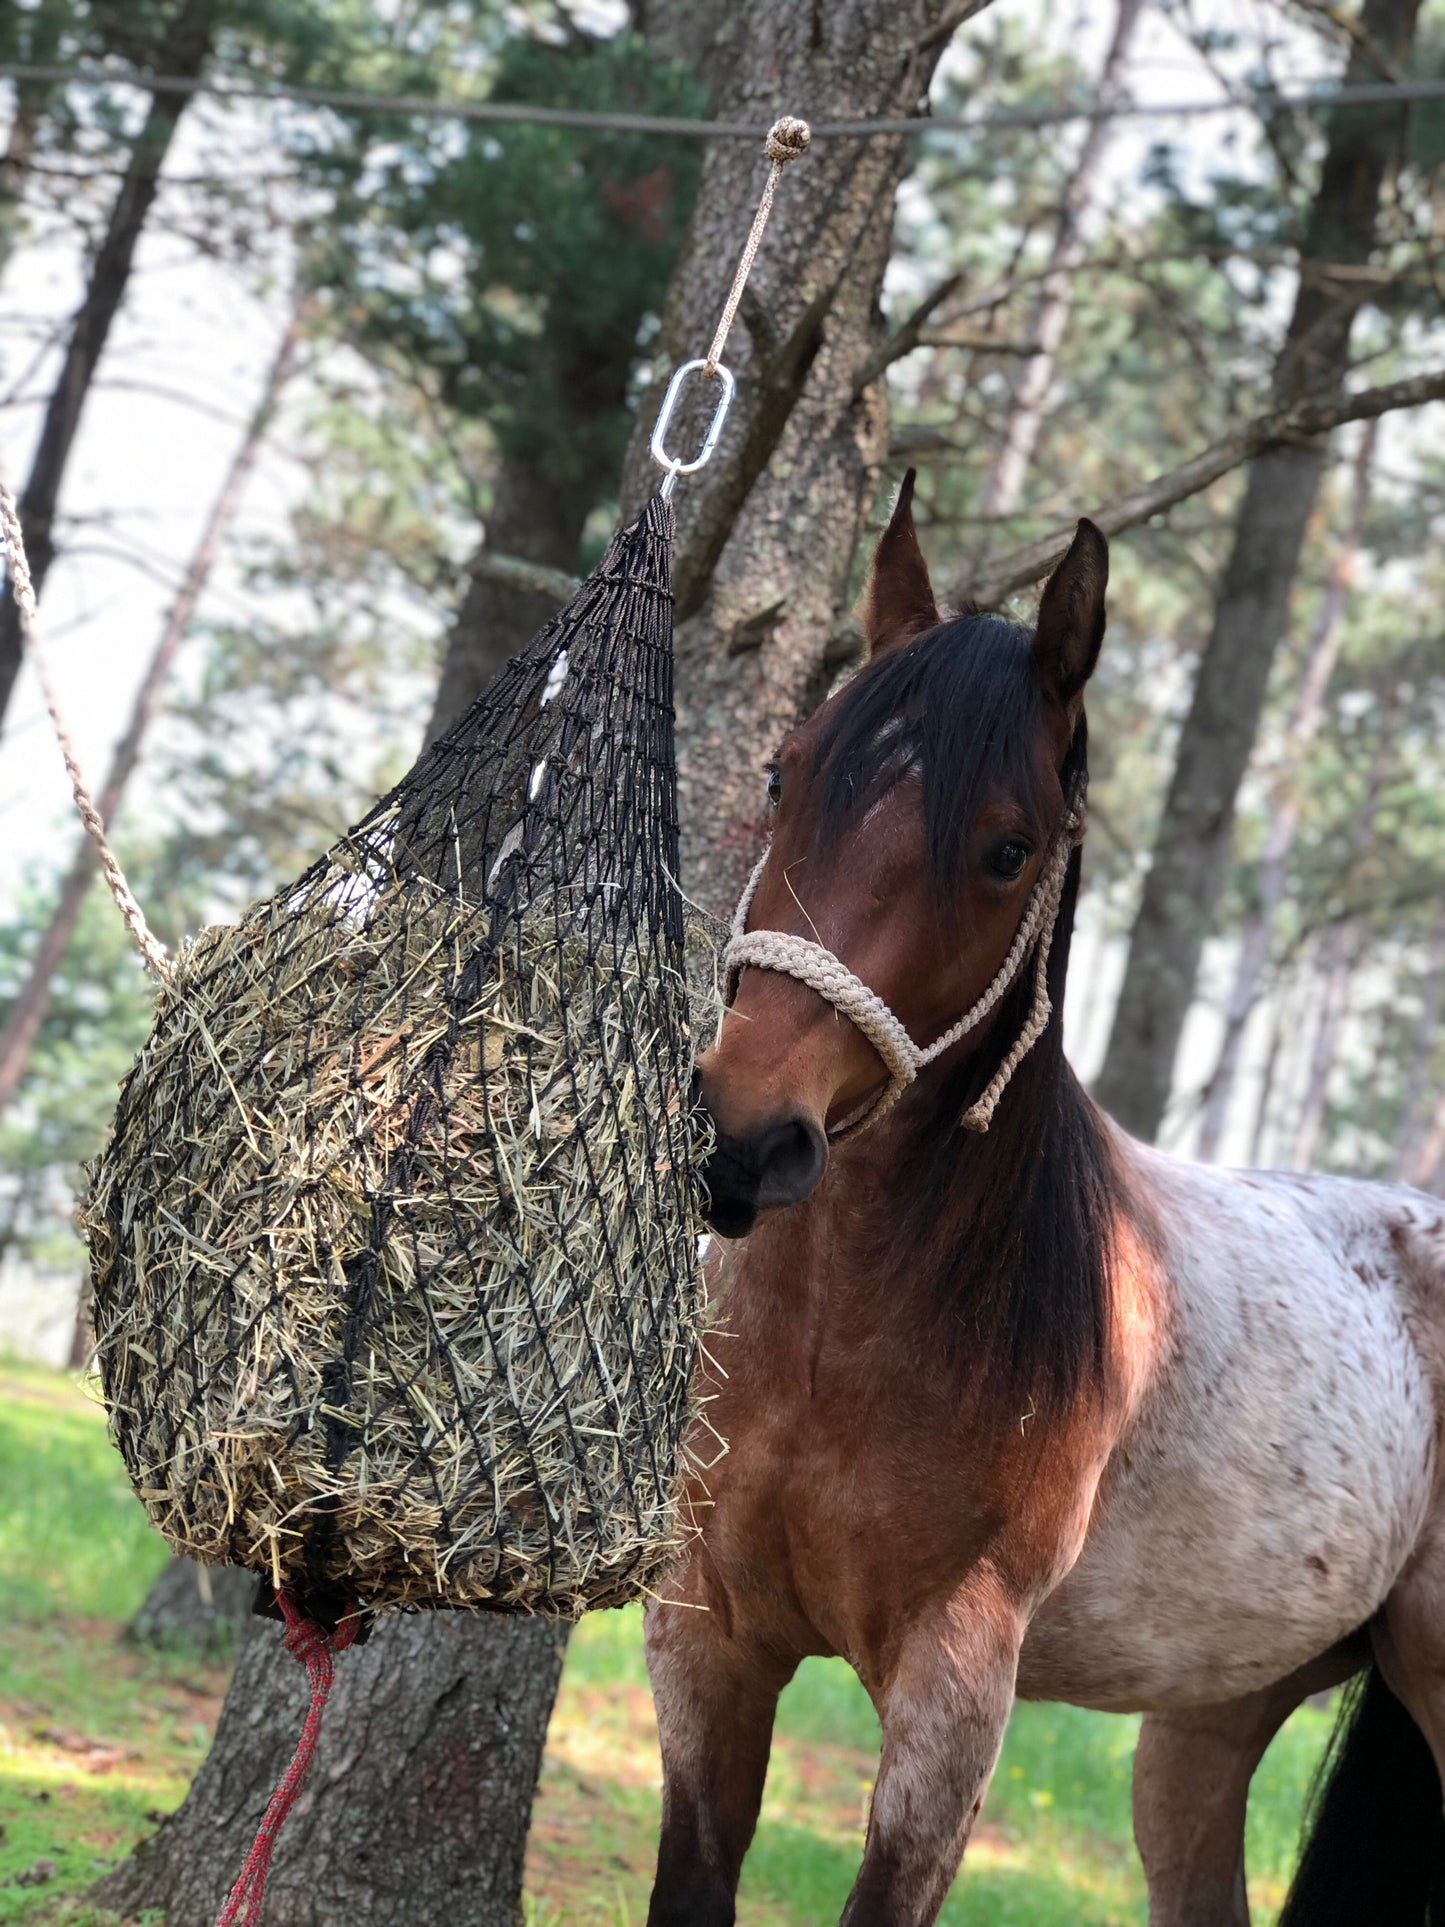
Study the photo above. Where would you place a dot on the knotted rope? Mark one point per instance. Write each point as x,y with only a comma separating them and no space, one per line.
151,949
817,967
316,1649
787,139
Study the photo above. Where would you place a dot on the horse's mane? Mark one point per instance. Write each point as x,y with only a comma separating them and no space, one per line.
1014,1226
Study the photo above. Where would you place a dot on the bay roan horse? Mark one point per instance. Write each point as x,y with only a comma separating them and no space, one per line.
1032,1409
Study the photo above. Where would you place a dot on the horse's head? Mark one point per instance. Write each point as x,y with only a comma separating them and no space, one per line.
917,823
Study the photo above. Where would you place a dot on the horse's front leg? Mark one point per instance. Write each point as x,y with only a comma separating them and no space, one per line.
715,1695
944,1706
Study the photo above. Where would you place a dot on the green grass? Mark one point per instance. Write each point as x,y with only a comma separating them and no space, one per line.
96,1740
73,1537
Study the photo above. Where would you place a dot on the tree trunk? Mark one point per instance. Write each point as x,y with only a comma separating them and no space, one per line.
1192,847
27,1013
767,531
535,520
14,164
1265,1099
1415,1123
1050,317
417,1805
187,44
195,1608
1314,1105
1284,806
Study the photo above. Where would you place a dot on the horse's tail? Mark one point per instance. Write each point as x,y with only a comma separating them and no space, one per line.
1374,1848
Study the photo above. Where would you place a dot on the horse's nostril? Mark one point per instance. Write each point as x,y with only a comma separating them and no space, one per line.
744,1176
791,1158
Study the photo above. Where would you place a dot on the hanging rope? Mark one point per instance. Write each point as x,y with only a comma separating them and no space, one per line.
316,1649
787,139
156,960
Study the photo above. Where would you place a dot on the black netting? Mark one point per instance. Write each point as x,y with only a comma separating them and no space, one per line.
394,1242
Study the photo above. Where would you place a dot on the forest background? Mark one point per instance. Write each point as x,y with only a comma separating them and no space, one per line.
315,409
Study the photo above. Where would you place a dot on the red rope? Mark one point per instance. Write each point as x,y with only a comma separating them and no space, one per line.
316,1649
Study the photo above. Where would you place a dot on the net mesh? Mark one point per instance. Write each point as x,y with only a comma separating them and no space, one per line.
394,1238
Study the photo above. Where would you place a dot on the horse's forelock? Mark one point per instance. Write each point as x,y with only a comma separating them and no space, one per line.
962,709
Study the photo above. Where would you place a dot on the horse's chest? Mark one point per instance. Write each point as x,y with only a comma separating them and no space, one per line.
828,1507
1270,1491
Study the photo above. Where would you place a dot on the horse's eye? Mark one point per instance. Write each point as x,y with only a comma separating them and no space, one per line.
1008,860
775,785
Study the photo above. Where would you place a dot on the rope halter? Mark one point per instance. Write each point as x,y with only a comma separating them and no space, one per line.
811,964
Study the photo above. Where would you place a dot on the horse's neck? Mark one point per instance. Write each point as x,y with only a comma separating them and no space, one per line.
965,1258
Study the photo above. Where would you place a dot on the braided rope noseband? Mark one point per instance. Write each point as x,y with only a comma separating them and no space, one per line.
811,964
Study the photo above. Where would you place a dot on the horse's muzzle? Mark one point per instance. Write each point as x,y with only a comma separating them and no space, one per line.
777,1167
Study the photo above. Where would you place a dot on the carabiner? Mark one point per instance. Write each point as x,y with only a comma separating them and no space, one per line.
674,465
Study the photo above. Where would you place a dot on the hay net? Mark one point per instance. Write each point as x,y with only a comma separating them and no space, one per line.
394,1239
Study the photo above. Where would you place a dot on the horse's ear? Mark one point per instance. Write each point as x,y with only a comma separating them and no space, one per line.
898,604
1071,616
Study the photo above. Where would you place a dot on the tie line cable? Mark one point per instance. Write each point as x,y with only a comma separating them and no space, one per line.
1319,98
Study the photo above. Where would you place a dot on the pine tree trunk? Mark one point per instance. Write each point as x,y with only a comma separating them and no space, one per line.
15,162
1265,1100
416,1808
535,520
1314,1104
1415,1121
1284,808
1050,317
27,1013
187,44
767,532
1192,846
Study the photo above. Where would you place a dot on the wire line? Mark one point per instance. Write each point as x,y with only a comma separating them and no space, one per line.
1256,100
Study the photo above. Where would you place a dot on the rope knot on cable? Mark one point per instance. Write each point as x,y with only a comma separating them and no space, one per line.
788,137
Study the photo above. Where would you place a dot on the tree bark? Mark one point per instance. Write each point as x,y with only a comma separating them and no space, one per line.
27,1013
1050,317
767,531
1284,807
187,44
1191,849
195,1608
416,1807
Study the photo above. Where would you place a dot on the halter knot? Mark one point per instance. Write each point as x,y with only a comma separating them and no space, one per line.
817,967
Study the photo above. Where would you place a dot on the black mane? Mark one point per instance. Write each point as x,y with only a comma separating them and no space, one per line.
1015,1225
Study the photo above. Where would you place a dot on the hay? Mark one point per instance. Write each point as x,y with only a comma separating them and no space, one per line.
373,1244
394,1241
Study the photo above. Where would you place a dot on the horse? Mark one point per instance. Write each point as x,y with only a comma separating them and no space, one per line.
1014,1405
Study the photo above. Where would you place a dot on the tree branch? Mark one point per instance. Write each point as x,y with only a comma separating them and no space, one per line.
511,572
904,338
998,576
949,25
